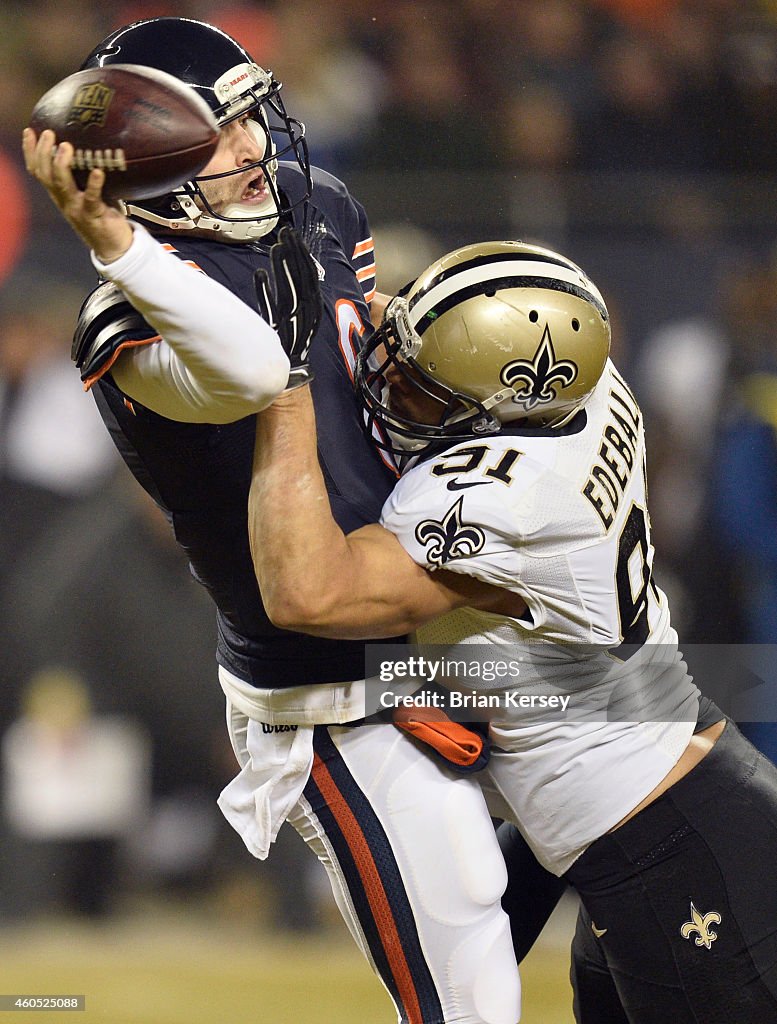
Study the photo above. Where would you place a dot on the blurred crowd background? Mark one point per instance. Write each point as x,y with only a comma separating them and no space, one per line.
637,136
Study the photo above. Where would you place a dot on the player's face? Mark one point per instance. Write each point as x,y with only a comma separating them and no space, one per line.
407,399
241,143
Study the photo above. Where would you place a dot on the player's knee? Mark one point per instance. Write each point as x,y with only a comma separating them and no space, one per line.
496,990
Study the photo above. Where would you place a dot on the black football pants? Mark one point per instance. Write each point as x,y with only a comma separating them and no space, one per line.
679,919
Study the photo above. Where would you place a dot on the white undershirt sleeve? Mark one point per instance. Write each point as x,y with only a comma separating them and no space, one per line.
217,359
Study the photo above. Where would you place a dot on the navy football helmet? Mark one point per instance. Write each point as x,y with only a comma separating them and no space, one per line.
233,85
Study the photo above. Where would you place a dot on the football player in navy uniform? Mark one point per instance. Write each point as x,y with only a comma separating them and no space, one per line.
518,534
202,317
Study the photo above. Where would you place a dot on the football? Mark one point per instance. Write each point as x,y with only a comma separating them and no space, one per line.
147,130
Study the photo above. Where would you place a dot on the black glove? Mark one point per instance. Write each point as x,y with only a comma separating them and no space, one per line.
292,298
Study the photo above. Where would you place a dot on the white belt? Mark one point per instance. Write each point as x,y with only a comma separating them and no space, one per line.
312,704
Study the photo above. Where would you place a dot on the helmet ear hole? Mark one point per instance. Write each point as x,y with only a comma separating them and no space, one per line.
534,316
575,324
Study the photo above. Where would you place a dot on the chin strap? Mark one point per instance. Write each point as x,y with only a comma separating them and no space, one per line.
194,219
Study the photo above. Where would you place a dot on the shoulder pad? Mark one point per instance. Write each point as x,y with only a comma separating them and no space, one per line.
292,181
323,179
106,320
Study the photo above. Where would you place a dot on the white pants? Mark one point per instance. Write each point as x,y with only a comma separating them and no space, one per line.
414,866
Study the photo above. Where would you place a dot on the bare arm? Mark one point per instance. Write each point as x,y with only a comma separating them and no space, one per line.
377,308
313,577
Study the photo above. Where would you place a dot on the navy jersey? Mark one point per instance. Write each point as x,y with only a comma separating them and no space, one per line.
199,474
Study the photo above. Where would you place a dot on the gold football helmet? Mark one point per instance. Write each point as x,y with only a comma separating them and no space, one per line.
491,334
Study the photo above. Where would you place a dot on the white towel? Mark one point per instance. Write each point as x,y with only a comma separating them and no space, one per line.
276,764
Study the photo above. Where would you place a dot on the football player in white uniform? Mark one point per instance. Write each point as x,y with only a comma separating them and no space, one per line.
519,525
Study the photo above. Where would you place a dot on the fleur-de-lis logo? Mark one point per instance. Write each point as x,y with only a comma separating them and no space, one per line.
701,924
537,381
451,538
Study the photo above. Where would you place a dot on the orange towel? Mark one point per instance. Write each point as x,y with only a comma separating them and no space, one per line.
455,742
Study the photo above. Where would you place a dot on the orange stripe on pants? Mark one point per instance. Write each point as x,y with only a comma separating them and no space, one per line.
373,887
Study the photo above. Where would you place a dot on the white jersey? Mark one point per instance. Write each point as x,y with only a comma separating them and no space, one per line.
560,518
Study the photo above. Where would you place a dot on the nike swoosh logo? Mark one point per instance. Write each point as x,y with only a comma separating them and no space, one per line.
454,485
598,932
